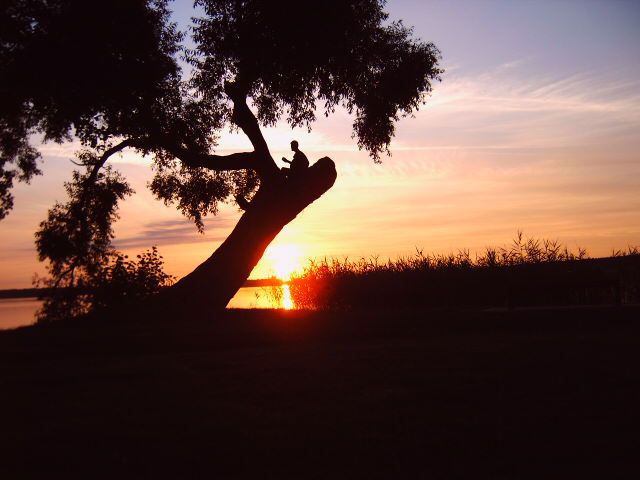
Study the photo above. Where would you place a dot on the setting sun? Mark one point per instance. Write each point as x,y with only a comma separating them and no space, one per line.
284,259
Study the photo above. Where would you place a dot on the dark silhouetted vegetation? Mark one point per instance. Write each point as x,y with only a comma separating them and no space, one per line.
113,82
116,282
526,273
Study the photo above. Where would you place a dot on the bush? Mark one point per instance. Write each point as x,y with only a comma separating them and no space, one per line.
117,281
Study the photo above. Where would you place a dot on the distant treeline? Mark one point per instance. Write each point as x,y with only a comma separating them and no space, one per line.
529,273
25,292
44,292
264,282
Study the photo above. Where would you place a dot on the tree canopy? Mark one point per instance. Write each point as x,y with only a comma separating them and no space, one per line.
72,68
336,53
108,74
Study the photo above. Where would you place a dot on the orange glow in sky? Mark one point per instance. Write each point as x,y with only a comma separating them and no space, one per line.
534,128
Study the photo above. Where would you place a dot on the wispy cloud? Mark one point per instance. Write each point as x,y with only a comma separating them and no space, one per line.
513,107
174,232
516,89
56,150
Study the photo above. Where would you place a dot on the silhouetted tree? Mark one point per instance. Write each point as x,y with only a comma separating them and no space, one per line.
111,79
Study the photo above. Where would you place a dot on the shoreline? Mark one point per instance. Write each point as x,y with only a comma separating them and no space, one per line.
40,292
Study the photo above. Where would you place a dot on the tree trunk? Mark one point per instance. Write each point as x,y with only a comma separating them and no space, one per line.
213,283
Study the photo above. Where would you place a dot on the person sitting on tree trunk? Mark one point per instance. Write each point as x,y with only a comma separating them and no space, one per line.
299,163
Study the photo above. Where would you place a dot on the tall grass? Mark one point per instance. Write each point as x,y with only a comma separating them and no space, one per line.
528,271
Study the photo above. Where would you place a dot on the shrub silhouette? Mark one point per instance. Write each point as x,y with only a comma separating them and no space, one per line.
117,282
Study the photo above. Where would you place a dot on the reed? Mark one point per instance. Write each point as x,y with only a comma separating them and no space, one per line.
528,271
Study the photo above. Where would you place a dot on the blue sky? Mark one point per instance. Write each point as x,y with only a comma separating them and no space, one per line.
535,126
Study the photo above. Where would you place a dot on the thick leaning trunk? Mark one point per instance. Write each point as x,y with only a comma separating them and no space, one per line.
214,282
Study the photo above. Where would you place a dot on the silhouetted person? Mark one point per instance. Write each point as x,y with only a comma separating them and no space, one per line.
299,163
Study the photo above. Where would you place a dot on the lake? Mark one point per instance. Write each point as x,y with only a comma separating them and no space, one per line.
18,312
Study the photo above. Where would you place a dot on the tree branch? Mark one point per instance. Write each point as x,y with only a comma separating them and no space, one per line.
69,270
259,160
244,118
105,156
234,161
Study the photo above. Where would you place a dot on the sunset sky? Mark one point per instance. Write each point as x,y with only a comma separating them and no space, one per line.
535,127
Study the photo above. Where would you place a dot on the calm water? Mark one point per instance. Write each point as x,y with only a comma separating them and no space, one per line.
17,312
262,297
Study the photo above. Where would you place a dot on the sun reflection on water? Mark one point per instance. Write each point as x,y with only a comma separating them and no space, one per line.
277,296
277,265
287,302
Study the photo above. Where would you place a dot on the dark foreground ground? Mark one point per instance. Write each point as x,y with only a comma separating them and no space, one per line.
270,394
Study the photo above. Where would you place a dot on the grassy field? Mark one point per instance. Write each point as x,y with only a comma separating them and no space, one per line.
528,393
